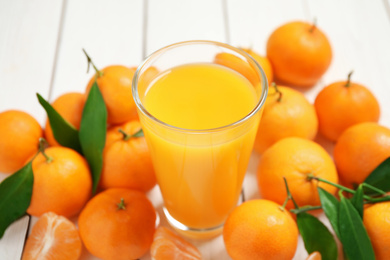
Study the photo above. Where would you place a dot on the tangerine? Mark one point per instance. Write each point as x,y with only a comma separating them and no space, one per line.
359,150
377,223
53,237
260,229
167,245
286,113
343,104
62,182
300,53
295,159
126,159
118,224
19,141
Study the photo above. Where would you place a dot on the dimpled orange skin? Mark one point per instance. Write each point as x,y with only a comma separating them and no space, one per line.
259,229
339,106
294,158
359,150
19,141
115,86
111,233
63,185
70,106
293,115
377,222
299,56
127,163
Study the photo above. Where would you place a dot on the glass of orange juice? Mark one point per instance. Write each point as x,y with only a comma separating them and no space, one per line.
199,103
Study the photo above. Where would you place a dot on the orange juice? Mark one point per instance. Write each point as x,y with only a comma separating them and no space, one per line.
200,152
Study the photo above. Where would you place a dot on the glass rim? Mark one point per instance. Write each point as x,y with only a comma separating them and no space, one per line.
257,68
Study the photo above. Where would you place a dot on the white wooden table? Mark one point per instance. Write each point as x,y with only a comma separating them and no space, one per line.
41,45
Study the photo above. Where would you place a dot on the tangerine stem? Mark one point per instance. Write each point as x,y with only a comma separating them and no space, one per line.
42,146
98,72
277,91
121,205
126,136
373,188
305,209
314,25
349,79
289,196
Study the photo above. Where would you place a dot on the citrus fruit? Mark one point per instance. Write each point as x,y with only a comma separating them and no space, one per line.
264,64
167,245
19,140
300,54
314,256
118,224
286,113
343,104
377,222
238,64
53,237
295,159
126,159
115,85
62,182
260,229
359,150
70,107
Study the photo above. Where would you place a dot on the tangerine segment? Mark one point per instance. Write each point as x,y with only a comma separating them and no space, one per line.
168,245
53,237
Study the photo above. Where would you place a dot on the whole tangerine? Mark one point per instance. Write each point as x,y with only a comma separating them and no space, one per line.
114,83
126,159
343,104
286,113
377,223
300,53
19,141
118,224
359,150
297,160
260,229
62,182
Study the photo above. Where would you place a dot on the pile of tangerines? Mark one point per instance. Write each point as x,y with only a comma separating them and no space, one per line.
119,222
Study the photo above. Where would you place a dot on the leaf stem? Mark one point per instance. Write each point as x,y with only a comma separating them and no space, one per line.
289,196
42,146
98,72
304,209
126,136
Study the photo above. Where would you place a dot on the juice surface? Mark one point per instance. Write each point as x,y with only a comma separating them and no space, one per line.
200,96
200,175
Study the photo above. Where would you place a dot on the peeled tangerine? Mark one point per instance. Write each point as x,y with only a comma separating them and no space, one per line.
169,246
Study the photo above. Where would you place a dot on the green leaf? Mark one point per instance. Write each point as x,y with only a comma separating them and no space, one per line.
357,200
330,205
379,178
316,236
139,133
353,235
64,133
92,132
15,194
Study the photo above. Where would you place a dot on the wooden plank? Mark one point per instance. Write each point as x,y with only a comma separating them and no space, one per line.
173,21
252,21
111,33
28,37
359,32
